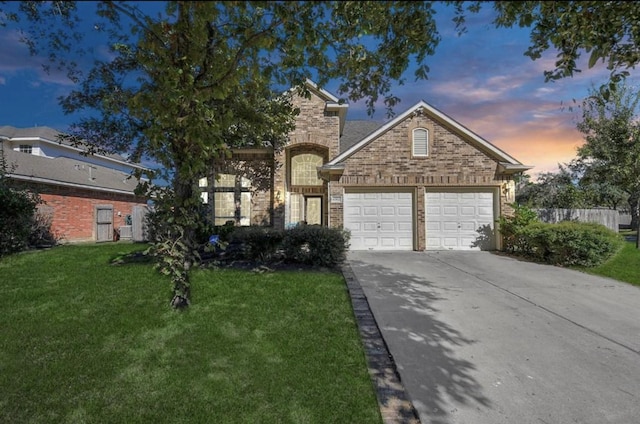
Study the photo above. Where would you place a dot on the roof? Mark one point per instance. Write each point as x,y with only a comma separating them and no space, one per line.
505,160
68,172
355,131
50,135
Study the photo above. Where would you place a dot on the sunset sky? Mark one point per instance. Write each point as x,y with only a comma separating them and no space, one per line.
481,79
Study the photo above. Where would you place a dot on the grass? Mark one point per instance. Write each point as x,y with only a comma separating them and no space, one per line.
86,341
624,266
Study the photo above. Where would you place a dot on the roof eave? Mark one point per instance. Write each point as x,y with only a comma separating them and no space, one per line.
512,168
326,171
68,184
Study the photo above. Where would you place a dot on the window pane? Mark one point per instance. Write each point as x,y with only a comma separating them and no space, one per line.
295,207
304,169
225,180
224,208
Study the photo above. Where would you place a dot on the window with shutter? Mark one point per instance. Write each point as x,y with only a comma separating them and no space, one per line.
420,142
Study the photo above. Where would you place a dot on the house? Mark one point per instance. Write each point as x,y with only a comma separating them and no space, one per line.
421,181
87,198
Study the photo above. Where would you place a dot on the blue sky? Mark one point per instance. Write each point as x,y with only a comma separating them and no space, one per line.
481,79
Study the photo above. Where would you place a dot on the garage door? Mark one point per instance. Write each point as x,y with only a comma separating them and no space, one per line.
460,220
379,221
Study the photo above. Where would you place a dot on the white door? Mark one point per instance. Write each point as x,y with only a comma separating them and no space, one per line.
460,220
379,221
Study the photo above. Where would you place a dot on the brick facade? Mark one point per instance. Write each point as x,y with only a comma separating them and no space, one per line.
457,161
73,210
317,131
387,164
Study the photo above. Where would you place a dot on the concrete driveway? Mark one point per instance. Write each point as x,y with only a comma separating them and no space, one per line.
482,338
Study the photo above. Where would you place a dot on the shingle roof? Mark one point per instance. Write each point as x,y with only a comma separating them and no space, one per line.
67,171
356,130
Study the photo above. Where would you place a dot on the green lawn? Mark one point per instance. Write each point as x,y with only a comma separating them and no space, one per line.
624,266
85,341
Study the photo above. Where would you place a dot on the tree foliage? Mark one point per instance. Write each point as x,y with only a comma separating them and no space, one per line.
17,212
185,82
611,152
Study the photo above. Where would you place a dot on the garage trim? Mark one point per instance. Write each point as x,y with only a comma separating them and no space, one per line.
389,222
459,230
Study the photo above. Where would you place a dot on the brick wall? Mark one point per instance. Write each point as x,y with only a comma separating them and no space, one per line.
316,131
73,210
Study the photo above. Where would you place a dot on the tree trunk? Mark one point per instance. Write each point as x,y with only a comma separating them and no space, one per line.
186,216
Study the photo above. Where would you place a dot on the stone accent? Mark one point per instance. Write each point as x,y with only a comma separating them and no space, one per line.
394,402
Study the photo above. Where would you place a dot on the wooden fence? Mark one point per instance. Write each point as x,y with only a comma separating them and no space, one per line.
608,217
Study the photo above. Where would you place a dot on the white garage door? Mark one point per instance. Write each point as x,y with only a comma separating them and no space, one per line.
379,221
460,221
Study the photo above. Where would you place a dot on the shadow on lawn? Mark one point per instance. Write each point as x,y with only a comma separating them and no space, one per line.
428,345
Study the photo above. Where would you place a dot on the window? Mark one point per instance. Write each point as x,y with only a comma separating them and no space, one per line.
26,148
303,169
420,142
306,209
231,199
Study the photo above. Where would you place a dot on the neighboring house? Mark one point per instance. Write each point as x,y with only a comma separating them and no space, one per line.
88,198
421,181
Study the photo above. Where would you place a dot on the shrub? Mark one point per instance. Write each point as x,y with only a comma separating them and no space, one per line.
255,243
316,245
512,228
16,218
41,234
571,243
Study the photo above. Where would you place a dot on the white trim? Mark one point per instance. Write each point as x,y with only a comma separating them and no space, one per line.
324,92
423,149
502,156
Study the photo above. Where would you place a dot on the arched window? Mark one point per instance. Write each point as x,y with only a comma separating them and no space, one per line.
420,142
304,169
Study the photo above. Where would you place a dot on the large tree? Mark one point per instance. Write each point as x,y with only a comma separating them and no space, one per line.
611,152
185,83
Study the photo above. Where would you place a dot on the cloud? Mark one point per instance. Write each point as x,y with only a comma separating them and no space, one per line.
16,60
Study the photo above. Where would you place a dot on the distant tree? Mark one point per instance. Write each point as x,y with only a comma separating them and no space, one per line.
557,190
597,192
185,82
611,152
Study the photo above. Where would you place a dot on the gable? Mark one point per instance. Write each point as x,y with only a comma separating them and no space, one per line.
395,140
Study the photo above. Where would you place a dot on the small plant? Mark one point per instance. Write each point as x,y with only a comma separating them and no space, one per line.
512,228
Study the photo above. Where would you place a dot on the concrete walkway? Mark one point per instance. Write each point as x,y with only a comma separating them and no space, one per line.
479,338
